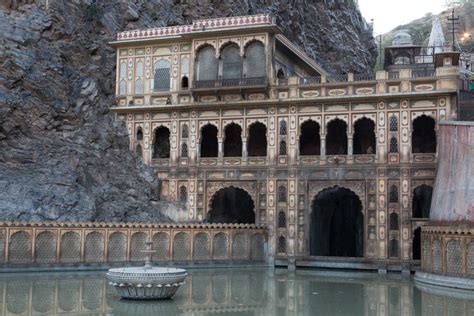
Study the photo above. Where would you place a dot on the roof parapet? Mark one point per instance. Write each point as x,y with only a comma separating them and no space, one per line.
198,26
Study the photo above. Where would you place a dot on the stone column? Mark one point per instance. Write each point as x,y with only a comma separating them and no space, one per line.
323,145
220,150
244,147
350,144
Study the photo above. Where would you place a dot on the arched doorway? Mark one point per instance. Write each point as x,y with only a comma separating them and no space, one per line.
161,145
209,146
423,138
232,205
257,143
310,140
336,138
364,137
337,224
421,203
233,140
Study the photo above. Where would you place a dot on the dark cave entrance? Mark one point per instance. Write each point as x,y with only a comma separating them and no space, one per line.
337,224
232,205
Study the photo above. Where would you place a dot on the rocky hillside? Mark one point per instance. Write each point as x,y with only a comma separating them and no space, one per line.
62,155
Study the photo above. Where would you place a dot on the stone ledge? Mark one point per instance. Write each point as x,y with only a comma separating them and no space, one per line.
446,281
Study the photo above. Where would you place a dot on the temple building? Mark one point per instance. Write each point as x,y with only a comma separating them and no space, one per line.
242,126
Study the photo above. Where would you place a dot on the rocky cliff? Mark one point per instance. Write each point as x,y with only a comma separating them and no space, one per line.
62,155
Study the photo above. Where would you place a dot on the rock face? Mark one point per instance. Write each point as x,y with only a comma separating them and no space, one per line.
62,155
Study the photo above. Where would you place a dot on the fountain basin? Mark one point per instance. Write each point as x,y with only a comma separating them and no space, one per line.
146,283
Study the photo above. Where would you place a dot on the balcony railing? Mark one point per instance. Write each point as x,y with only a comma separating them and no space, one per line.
425,73
237,82
337,78
308,81
364,77
393,75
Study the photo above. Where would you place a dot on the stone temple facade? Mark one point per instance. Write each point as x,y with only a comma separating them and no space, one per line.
242,126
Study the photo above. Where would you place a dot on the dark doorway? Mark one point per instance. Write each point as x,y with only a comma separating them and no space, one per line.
364,137
421,203
337,224
336,138
184,83
209,147
310,140
233,141
161,146
232,205
139,134
416,246
280,74
257,143
423,139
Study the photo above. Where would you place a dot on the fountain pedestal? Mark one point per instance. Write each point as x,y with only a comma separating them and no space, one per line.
147,282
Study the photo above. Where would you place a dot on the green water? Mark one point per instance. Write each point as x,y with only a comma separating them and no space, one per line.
259,291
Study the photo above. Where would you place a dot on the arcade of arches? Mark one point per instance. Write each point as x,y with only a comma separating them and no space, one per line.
337,224
231,205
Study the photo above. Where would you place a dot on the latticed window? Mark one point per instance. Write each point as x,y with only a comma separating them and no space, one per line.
393,221
185,131
207,65
139,86
283,129
231,62
162,76
281,219
393,145
281,194
393,123
393,198
183,194
123,87
184,150
138,150
255,60
281,244
282,148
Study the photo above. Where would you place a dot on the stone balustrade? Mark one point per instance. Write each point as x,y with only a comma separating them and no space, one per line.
448,251
48,243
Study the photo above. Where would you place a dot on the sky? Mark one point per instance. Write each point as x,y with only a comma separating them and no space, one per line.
388,14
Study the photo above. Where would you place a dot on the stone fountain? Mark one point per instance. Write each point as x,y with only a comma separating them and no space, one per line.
147,282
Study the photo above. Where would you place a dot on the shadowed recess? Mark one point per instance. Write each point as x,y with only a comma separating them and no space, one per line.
232,205
336,227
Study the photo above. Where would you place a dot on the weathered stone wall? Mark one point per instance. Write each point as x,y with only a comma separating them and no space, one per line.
100,243
62,156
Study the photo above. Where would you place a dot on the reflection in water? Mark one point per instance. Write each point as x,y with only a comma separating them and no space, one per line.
235,292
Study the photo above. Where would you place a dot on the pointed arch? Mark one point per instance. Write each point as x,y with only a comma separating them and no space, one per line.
231,61
336,137
364,137
161,142
423,139
206,63
209,143
310,139
232,205
233,140
255,60
257,140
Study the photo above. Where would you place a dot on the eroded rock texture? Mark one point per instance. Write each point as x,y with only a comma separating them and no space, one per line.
62,156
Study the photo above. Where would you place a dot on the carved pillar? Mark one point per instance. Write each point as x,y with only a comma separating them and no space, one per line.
244,147
220,150
350,144
323,145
